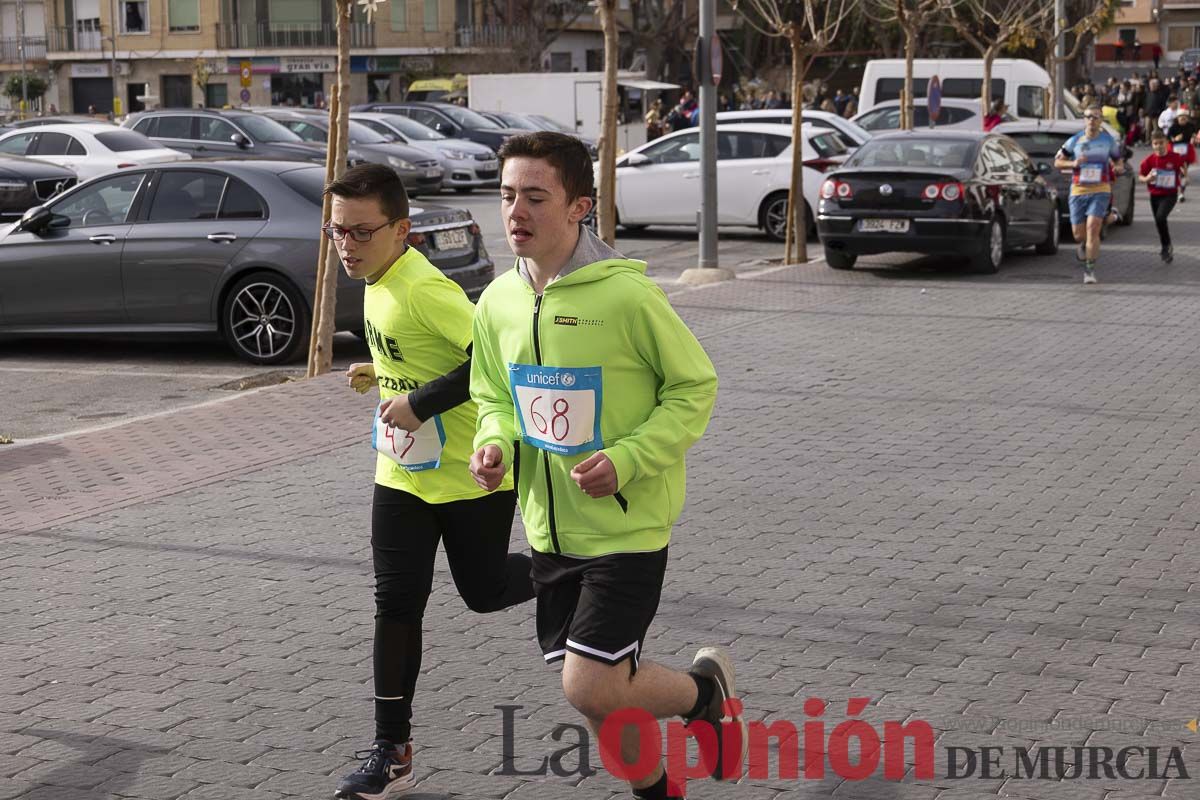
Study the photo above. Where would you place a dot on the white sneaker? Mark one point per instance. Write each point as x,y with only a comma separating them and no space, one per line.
1089,276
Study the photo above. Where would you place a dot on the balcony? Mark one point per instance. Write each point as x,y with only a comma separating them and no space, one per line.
238,36
493,37
68,40
10,50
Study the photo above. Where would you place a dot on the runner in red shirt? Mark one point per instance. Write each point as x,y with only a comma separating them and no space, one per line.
1162,171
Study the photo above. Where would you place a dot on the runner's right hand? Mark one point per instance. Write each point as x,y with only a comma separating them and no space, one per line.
487,467
361,377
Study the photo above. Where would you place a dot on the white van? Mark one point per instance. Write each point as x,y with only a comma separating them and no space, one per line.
1021,83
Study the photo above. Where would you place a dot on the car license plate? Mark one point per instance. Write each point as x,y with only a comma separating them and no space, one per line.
451,240
883,226
433,172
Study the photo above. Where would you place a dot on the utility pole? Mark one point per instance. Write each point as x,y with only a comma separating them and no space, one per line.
116,103
707,52
21,50
1060,51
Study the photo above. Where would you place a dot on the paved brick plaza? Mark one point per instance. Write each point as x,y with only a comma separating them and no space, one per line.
974,504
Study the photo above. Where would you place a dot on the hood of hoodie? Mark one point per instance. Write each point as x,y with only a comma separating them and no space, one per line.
589,250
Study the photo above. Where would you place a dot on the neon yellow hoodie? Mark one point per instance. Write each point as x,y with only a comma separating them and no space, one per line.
603,337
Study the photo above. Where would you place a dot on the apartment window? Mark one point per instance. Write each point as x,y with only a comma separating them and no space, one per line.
135,16
431,15
295,12
183,16
399,12
560,62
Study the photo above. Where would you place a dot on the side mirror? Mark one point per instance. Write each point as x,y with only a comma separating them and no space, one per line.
240,140
636,160
36,219
1044,168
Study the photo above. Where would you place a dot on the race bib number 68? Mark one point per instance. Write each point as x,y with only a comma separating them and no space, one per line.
559,407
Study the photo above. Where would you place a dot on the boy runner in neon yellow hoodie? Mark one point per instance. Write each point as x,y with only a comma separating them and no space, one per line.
581,358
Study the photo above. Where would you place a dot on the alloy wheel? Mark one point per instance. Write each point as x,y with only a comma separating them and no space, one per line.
262,320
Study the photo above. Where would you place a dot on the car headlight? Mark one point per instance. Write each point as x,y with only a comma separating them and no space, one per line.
13,186
457,155
400,163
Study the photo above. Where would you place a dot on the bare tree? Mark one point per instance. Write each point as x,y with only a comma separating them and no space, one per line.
1092,16
913,17
809,26
990,26
606,212
320,347
523,29
663,29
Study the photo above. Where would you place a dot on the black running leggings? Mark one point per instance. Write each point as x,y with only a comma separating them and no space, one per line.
1162,205
404,537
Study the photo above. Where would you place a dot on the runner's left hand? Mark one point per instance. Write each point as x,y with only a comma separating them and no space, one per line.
396,411
596,476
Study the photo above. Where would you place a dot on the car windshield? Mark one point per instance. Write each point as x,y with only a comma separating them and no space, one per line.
361,134
266,130
1039,144
308,182
124,141
412,129
552,124
468,118
911,152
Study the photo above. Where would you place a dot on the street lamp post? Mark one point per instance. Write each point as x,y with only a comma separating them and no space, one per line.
21,51
707,270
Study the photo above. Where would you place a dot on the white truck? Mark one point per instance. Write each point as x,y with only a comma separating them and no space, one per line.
1021,83
570,98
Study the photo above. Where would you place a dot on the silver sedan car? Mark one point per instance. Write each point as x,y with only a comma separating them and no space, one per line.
468,165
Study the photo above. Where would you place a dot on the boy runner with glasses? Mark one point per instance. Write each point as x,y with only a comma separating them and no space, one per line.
1096,158
418,325
592,389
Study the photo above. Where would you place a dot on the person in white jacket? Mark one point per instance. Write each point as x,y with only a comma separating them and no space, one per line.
1167,118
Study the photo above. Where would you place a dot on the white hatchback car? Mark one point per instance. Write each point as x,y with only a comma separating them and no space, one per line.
659,182
853,135
91,149
956,114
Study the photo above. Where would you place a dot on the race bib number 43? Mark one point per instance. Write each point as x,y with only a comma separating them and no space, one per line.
559,407
413,450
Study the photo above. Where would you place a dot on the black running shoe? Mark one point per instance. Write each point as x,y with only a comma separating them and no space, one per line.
386,772
715,664
1168,255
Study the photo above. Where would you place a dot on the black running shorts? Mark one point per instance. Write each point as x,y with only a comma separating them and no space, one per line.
598,608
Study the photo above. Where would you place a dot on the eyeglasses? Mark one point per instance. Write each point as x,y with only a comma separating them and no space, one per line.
1090,116
337,233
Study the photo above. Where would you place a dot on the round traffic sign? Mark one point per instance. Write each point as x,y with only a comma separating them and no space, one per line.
245,95
934,95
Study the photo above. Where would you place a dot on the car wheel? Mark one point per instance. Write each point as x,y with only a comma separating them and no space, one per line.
991,252
464,189
1050,246
265,319
838,259
772,216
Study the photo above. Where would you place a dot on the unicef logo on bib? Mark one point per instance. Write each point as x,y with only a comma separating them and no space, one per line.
559,407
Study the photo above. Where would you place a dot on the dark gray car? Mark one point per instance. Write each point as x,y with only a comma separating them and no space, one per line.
205,133
420,172
200,248
25,182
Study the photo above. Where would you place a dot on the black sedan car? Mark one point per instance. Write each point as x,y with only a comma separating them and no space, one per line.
25,182
449,120
1041,139
957,192
199,248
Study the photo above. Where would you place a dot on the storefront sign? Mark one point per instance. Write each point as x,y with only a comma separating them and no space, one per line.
303,64
90,71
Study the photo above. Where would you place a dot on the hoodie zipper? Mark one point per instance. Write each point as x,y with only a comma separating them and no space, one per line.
537,354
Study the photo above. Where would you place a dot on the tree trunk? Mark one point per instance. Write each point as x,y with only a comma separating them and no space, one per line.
1052,109
986,91
796,229
606,195
321,347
